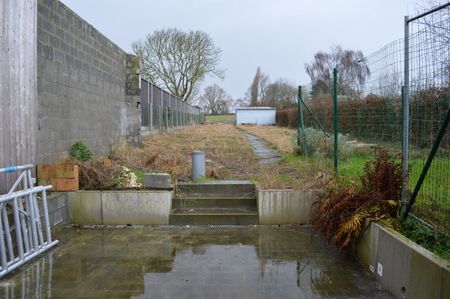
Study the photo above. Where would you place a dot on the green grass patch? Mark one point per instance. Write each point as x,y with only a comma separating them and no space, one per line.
139,174
223,118
434,241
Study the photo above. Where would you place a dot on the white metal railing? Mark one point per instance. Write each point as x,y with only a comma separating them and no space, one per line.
21,233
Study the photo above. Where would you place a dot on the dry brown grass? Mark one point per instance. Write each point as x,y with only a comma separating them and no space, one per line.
228,153
280,138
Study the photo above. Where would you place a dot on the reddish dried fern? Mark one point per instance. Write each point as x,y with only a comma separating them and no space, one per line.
346,213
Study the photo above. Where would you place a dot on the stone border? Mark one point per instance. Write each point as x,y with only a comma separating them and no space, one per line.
281,206
146,207
403,267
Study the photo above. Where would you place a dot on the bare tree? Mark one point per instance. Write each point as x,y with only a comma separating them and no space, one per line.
351,65
238,103
215,100
178,61
280,94
437,23
257,90
435,29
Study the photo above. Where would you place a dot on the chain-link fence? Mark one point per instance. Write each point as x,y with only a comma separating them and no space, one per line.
161,110
428,80
413,72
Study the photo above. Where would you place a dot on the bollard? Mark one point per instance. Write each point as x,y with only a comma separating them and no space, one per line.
198,165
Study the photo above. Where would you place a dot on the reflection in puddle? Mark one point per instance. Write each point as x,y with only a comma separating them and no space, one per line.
190,263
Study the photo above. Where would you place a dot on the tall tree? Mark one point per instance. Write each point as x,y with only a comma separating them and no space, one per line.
280,94
215,100
178,61
352,68
258,88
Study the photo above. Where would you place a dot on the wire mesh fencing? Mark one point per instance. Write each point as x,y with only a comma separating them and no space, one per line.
428,53
413,72
161,110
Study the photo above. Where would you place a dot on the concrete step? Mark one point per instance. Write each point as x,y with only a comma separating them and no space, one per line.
217,189
213,216
211,202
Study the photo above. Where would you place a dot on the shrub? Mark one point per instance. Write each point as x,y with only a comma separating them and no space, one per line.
282,118
320,143
345,214
79,151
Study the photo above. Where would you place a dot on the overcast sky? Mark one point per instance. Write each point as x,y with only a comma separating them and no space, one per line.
280,36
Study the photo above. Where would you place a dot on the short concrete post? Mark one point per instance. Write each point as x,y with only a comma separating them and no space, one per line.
198,165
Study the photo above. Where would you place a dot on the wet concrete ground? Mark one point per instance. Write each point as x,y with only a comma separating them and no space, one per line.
196,262
262,151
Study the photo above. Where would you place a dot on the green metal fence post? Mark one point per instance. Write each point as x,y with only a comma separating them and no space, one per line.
335,121
300,123
404,158
405,117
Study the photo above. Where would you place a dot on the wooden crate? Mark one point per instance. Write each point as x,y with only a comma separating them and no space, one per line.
62,176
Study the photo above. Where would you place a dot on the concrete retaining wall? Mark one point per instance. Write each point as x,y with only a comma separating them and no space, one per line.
119,207
286,206
404,268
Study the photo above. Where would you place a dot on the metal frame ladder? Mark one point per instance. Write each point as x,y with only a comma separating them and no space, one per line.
21,232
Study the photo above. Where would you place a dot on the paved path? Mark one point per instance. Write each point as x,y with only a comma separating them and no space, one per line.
262,151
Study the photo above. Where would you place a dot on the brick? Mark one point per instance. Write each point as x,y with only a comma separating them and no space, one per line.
43,10
42,36
54,41
48,52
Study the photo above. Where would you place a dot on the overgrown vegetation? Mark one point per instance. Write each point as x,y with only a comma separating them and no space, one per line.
320,144
98,172
432,240
228,156
344,215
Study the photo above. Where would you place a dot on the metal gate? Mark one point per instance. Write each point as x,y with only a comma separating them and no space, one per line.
21,232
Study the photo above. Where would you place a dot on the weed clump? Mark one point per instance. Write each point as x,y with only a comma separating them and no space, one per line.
80,152
432,240
344,215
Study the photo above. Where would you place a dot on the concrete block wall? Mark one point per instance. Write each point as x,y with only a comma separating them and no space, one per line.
57,208
82,85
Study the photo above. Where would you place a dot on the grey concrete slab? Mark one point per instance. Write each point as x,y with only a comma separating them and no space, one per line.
157,181
286,206
85,207
136,207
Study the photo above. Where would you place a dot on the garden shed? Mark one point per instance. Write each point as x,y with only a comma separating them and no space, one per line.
255,115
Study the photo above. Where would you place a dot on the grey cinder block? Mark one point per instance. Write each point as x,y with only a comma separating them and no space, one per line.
157,181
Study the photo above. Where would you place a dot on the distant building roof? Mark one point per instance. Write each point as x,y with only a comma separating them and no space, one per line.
255,108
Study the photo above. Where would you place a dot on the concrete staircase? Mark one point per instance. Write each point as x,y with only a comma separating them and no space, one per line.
215,203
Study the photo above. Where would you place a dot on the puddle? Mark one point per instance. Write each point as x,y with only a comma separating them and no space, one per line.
262,151
196,262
